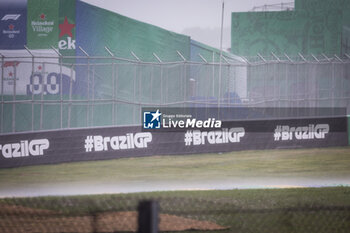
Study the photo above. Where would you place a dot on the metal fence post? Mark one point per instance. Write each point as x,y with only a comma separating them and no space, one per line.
213,75
161,84
14,98
42,99
88,86
152,77
61,94
33,64
207,78
70,96
113,85
185,68
2,93
61,86
135,77
148,217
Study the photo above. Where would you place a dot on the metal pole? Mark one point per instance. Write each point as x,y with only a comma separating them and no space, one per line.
167,87
61,94
33,95
33,64
208,87
315,57
228,85
288,58
42,100
202,58
262,58
302,57
182,57
158,59
88,93
88,86
161,83
184,65
213,77
116,93
109,51
275,102
113,93
61,86
278,59
152,76
223,58
297,90
335,55
220,72
235,81
287,95
342,86
140,92
333,87
134,55
279,86
184,83
93,95
264,83
148,217
14,99
70,96
328,59
26,48
134,97
248,80
2,93
113,85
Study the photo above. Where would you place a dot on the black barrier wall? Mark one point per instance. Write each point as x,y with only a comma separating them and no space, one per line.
117,142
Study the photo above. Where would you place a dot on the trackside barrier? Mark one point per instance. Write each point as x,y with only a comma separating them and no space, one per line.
60,146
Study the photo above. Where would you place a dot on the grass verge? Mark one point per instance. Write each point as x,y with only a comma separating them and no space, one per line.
312,163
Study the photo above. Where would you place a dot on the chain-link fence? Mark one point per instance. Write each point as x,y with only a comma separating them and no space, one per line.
249,211
47,91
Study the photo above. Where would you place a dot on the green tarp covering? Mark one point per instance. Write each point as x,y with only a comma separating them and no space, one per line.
97,28
290,32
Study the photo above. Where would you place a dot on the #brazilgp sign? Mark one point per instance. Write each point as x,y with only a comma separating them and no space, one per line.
118,142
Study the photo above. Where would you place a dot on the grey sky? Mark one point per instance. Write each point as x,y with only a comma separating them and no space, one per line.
200,19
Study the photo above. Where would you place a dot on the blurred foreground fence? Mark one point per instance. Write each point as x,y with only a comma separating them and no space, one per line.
48,91
185,213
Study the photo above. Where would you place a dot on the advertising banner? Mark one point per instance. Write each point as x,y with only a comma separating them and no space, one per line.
66,36
42,24
118,142
13,24
22,77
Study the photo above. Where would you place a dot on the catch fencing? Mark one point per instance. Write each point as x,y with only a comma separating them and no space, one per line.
289,210
48,91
